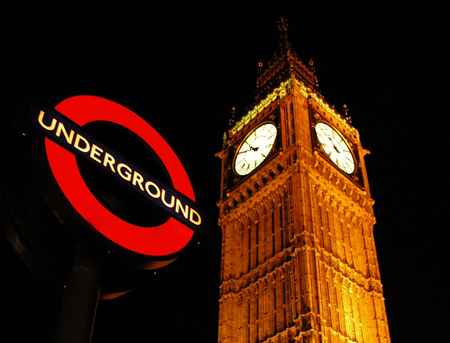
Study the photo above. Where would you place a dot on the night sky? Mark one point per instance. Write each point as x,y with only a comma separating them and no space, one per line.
182,65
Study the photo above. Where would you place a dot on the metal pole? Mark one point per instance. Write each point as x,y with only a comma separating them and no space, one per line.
79,304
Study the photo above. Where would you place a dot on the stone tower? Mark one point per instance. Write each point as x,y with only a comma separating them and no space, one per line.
298,254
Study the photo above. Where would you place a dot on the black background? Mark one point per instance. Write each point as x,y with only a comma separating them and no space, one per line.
182,66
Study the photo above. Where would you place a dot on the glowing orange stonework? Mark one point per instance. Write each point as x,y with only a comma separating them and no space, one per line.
298,254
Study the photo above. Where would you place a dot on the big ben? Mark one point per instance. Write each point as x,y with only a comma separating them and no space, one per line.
298,260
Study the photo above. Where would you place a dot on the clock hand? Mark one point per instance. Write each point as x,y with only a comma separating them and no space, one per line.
244,151
251,149
334,146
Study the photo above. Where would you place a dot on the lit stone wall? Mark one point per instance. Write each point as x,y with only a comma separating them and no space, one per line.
298,256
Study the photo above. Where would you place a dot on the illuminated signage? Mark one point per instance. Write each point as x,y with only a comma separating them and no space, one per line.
66,139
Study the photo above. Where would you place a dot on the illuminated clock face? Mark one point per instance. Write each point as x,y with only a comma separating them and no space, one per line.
335,147
255,149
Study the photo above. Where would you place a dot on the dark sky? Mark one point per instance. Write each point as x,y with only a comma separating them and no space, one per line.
183,65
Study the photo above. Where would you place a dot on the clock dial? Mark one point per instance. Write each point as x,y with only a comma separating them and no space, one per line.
335,147
255,148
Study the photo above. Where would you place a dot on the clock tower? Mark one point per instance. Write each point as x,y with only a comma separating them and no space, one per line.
298,254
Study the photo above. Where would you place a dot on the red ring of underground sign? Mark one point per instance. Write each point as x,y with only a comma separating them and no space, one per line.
162,240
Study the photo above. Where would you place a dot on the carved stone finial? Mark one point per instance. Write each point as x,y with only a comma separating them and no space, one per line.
260,66
313,69
345,109
282,24
347,117
233,113
224,140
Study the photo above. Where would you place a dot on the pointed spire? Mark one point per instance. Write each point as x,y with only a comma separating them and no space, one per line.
284,64
285,46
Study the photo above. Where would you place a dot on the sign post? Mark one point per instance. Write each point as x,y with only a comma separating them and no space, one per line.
79,305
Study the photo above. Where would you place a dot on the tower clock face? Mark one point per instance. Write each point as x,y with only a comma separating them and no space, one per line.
335,147
255,148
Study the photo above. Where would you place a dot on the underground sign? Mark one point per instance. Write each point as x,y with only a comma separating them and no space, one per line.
65,139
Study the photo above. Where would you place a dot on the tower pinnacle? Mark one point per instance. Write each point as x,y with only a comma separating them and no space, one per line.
282,24
284,64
